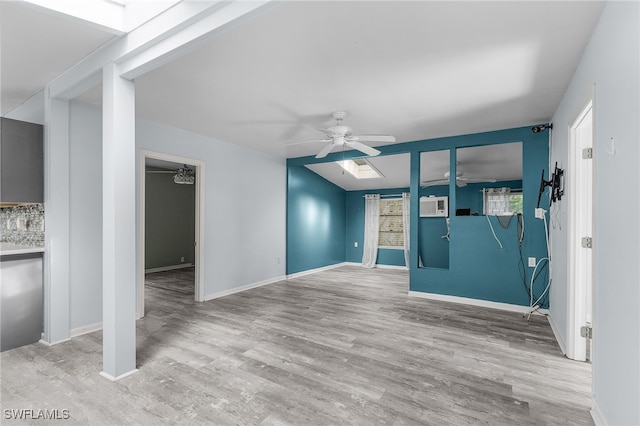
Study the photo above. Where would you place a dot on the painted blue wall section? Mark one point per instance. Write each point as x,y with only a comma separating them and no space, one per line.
315,221
434,250
355,229
478,267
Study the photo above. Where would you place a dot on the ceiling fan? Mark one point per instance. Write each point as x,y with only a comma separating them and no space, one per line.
183,175
461,180
340,135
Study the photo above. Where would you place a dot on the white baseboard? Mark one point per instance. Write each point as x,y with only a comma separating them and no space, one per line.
596,415
86,329
44,342
402,268
378,265
476,302
122,376
243,288
313,271
168,268
557,334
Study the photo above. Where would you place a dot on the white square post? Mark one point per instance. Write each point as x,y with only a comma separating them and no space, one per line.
119,225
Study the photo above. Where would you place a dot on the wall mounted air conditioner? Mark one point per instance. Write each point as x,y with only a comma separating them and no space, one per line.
434,206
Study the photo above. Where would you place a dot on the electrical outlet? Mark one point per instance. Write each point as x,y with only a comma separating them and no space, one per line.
540,213
532,262
355,244
182,259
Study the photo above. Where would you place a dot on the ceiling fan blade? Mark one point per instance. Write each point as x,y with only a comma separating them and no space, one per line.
373,138
325,151
476,179
460,183
313,141
162,171
434,182
362,147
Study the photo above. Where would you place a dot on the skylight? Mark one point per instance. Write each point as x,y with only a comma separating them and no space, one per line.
360,168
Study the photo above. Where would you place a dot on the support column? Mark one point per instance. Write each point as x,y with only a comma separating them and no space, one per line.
119,226
56,216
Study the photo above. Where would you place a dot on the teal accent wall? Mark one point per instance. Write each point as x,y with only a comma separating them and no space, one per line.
477,267
169,221
355,229
316,222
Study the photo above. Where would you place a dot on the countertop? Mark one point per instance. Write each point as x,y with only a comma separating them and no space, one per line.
7,249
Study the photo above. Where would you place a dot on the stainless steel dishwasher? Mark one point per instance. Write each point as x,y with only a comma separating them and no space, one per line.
21,301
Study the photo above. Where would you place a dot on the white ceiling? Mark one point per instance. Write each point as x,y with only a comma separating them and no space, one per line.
415,70
394,168
36,47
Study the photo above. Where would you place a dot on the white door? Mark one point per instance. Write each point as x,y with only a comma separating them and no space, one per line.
581,232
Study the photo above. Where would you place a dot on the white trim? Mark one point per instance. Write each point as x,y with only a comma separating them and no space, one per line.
557,334
122,376
199,223
313,271
597,416
168,268
476,302
380,266
400,267
44,342
576,295
86,329
244,288
391,248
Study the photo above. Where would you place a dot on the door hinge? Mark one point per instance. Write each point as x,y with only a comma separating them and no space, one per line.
587,153
587,242
586,331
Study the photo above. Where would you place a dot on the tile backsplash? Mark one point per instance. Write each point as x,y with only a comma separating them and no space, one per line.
22,224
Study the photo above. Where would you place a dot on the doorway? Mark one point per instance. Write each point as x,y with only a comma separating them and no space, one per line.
196,257
580,233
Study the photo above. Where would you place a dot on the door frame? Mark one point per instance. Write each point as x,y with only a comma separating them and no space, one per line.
577,294
199,223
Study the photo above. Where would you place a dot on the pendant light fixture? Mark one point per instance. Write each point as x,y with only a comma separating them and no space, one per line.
184,176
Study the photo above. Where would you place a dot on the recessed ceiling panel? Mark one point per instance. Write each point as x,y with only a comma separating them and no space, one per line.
394,168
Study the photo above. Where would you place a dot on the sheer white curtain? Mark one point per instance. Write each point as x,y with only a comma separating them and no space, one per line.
371,229
496,201
406,205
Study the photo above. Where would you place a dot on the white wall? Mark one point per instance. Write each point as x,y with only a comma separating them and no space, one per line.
85,199
245,206
245,209
611,61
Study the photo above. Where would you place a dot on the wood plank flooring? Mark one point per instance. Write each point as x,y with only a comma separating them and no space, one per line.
344,346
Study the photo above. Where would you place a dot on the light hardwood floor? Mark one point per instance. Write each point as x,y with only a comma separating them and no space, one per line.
344,346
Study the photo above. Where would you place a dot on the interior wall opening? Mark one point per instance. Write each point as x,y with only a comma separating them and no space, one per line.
170,230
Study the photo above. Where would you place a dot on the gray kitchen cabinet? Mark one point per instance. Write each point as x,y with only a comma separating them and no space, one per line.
21,161
21,300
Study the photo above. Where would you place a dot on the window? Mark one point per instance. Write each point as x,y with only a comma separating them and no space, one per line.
501,201
390,233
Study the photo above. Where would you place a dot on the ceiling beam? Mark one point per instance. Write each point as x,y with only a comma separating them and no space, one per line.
178,27
189,36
